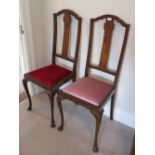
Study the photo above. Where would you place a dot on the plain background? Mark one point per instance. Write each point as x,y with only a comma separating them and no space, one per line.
145,76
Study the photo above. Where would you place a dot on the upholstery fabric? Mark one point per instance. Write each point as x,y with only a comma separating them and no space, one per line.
49,75
90,90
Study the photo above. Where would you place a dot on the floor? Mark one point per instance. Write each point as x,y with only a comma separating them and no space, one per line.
37,138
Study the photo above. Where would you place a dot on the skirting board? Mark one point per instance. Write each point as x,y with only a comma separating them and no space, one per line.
121,116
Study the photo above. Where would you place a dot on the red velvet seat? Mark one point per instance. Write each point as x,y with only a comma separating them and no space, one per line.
49,75
90,90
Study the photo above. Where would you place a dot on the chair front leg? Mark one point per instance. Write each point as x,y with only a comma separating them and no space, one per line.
98,118
51,98
28,94
61,113
112,107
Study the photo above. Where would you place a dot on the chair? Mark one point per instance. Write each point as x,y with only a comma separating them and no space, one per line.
51,77
91,92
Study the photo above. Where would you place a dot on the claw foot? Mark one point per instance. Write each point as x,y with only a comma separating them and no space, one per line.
60,128
95,149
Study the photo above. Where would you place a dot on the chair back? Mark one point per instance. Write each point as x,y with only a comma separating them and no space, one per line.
69,18
108,24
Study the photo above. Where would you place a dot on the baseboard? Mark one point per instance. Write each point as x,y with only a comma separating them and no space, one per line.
125,118
121,116
22,96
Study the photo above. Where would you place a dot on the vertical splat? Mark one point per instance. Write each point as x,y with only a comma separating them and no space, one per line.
108,27
67,22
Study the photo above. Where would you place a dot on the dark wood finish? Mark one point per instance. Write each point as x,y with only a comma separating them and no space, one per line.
97,111
68,14
61,112
98,118
51,98
112,107
91,33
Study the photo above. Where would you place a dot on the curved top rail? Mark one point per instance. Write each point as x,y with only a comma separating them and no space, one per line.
68,11
119,20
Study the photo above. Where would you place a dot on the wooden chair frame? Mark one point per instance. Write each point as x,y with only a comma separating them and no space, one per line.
98,111
52,91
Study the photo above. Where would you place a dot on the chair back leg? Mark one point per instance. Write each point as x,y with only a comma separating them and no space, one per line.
61,113
51,98
112,107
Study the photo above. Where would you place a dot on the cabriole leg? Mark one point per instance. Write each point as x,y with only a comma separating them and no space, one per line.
51,98
98,118
112,107
28,94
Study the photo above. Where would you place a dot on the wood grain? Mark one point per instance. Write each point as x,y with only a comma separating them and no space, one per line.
108,27
67,23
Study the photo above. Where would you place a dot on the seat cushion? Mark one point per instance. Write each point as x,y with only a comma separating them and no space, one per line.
90,90
49,75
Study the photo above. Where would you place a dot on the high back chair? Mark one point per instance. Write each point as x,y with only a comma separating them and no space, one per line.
90,92
53,76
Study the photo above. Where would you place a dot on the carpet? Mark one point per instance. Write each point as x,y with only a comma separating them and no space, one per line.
37,138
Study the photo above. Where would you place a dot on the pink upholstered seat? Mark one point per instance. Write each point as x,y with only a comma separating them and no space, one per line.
49,75
90,90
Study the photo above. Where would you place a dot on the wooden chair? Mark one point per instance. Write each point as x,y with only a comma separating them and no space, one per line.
91,92
53,76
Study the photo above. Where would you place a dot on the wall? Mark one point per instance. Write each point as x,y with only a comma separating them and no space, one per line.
26,51
42,29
